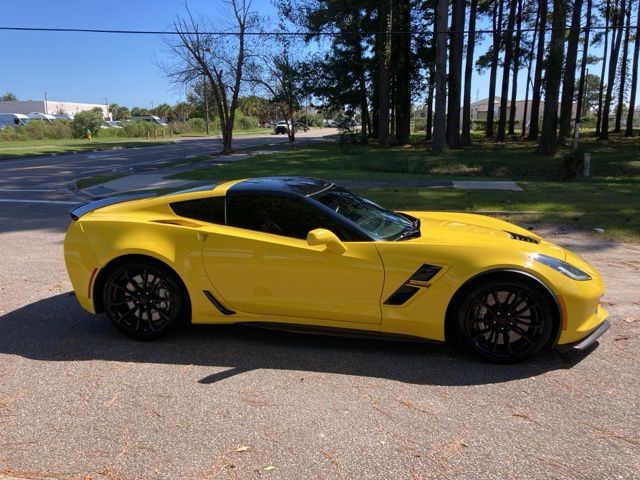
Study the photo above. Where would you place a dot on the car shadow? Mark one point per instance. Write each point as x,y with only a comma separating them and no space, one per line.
57,329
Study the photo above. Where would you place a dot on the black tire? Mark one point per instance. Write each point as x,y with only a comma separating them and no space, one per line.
507,320
144,299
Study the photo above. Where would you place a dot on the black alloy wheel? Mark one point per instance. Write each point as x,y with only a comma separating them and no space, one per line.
143,300
506,321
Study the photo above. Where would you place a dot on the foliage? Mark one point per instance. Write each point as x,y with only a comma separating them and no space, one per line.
8,97
87,121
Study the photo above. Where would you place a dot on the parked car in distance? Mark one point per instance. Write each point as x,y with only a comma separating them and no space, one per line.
300,126
13,119
111,124
282,127
64,116
41,116
148,118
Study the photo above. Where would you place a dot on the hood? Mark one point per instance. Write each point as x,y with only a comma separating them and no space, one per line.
480,230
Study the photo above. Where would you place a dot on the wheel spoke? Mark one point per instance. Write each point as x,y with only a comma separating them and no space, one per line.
523,334
507,341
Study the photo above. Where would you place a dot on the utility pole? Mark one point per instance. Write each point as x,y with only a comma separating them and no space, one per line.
46,104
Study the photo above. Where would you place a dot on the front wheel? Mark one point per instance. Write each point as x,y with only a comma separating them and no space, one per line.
506,321
143,300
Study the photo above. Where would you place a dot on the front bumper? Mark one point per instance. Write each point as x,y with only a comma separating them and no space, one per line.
587,341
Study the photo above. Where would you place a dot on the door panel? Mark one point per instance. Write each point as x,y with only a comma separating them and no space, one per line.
262,273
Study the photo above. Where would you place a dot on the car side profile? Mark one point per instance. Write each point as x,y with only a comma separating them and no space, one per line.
305,254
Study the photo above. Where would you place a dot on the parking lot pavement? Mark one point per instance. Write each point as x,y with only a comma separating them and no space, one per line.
78,400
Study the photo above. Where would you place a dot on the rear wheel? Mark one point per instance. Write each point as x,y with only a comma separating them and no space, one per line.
143,300
506,320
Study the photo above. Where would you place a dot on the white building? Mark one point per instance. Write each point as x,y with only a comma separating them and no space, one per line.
51,107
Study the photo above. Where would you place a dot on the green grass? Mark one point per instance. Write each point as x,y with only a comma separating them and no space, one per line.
610,199
46,147
97,180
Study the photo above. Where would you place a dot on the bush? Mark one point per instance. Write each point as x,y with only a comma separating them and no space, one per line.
246,123
197,124
88,121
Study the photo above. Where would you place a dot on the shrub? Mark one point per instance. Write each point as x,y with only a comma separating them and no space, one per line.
86,121
35,130
197,124
246,123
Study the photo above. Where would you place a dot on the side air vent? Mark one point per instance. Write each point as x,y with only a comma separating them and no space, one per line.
420,279
523,238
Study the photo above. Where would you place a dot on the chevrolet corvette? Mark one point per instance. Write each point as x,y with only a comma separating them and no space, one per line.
305,254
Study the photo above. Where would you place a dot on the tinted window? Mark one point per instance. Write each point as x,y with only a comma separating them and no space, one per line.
206,209
280,216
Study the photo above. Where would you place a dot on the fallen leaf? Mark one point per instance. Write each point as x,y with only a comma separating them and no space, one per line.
242,448
269,468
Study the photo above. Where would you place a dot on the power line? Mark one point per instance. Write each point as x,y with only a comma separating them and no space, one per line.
280,33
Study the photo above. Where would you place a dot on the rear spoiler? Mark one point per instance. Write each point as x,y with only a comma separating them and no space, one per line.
89,207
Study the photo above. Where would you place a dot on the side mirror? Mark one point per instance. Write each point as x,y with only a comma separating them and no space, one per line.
322,236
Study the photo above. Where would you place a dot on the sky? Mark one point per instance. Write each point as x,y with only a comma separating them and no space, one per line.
123,69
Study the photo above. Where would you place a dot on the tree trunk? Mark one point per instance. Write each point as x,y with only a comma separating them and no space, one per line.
568,84
583,68
530,64
549,134
508,55
497,42
623,70
429,122
516,67
456,46
607,13
439,130
537,76
468,72
634,77
383,78
403,74
362,90
613,62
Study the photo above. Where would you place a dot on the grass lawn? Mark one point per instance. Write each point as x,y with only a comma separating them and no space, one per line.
45,147
610,199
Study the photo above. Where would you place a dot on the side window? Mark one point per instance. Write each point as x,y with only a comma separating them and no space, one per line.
279,216
205,209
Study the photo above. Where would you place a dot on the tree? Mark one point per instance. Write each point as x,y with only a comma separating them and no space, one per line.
508,55
87,121
8,97
219,58
582,80
456,46
439,120
634,76
536,91
623,70
589,103
402,72
516,67
278,73
613,61
529,65
386,22
568,83
468,72
496,22
549,134
119,112
607,14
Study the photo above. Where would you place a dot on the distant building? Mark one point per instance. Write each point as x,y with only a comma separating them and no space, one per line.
51,107
480,109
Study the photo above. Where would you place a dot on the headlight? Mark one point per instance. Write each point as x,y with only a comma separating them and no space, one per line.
562,267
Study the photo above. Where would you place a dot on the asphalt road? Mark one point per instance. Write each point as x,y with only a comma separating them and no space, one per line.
78,400
47,178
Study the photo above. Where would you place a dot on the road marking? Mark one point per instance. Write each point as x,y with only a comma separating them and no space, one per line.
45,202
25,190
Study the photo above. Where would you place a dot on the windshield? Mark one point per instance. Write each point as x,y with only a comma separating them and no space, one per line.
380,223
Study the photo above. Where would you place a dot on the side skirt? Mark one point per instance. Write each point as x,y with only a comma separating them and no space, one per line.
337,332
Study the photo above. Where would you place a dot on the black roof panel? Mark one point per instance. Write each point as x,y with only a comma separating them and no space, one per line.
297,186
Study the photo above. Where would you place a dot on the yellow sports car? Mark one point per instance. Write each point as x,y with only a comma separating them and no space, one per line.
305,254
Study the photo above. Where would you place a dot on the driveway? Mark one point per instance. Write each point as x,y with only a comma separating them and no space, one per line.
78,400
